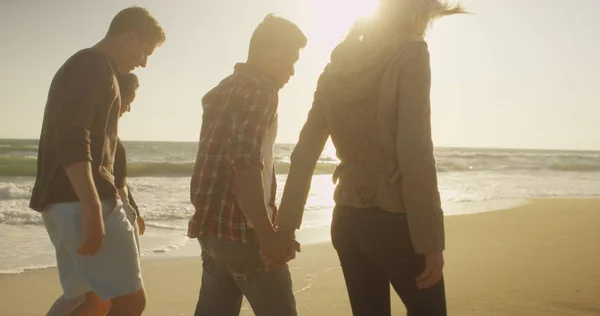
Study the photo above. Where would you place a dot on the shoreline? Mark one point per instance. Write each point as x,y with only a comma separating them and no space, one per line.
307,236
530,260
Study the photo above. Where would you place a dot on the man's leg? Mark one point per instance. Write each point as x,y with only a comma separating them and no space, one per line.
63,306
219,294
76,295
91,306
84,305
269,293
130,304
366,281
114,272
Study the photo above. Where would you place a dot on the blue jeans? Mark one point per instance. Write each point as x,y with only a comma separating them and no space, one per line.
375,251
232,270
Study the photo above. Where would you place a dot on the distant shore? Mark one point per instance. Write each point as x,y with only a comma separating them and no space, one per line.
538,259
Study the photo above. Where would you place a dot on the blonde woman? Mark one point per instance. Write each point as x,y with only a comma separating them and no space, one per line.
373,100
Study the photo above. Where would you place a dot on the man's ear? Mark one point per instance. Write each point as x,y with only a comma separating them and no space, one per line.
132,37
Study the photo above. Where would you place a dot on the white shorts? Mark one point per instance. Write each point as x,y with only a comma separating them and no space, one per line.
112,272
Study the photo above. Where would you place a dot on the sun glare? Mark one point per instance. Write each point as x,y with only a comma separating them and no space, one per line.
353,9
364,8
333,18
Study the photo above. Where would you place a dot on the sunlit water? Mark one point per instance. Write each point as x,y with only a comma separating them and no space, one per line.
470,181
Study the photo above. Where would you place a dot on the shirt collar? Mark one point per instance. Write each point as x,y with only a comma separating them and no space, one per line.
252,70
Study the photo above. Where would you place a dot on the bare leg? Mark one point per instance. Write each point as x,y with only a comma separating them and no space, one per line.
63,306
129,305
92,306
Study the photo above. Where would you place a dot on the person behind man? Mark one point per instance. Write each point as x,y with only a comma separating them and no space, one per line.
74,189
232,221
373,99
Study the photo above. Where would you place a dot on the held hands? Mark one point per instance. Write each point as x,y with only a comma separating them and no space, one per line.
193,228
434,265
278,249
92,229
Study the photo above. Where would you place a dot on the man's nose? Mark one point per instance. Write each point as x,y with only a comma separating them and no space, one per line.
144,62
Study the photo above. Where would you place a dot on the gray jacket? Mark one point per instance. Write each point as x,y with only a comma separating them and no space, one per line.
385,148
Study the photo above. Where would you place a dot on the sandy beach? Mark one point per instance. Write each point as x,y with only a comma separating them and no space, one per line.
539,259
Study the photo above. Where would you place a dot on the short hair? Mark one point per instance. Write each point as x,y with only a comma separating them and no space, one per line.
275,31
128,84
139,20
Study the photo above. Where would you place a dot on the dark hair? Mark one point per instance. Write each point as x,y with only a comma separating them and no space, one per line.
139,20
275,31
128,85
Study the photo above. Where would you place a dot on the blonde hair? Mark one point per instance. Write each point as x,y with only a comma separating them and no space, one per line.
407,19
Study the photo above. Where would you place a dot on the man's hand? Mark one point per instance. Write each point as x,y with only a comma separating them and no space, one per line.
277,248
434,265
141,225
193,228
92,229
92,225
272,264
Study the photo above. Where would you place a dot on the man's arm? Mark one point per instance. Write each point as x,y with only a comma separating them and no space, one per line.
88,87
253,116
120,169
250,197
80,176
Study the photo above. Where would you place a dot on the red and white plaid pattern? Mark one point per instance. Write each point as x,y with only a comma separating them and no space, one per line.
237,113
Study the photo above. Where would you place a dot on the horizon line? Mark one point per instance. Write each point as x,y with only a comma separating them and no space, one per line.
440,147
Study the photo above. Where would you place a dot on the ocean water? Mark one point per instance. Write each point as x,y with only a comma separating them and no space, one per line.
470,180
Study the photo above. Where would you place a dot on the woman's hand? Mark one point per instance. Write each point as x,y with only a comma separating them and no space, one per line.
434,266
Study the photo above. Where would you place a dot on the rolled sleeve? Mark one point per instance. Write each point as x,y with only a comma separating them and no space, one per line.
89,81
415,154
254,109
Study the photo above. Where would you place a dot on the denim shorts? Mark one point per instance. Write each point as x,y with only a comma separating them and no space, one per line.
112,272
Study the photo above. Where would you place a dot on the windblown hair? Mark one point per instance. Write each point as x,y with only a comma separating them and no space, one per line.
357,63
409,19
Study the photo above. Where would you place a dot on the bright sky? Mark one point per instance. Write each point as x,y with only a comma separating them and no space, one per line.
519,74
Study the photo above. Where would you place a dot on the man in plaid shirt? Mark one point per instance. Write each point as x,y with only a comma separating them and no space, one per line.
233,185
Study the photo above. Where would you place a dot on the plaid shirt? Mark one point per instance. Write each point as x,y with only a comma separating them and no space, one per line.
237,113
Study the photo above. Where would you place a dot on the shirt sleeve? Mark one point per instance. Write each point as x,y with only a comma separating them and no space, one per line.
304,159
415,153
132,201
88,86
253,108
120,165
